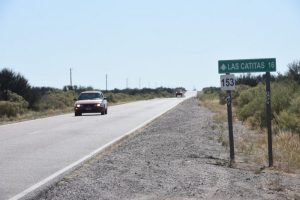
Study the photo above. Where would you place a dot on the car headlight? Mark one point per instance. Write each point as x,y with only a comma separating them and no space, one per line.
77,105
98,105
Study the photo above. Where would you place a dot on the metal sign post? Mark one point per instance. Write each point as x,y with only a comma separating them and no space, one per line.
228,84
245,66
230,128
269,118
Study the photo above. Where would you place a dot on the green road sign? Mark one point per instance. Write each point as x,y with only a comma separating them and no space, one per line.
247,65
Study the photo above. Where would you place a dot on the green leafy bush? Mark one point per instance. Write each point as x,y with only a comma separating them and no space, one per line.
285,104
289,119
215,93
282,93
56,100
251,105
13,97
237,92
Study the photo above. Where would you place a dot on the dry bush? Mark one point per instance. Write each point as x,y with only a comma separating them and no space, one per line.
253,146
287,151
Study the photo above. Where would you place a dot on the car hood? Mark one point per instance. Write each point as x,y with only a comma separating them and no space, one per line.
94,101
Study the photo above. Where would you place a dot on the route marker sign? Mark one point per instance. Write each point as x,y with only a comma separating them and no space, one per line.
247,65
227,82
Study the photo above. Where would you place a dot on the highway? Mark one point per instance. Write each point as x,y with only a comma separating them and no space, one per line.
34,152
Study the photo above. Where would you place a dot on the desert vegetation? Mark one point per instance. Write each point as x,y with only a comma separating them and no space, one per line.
19,100
249,107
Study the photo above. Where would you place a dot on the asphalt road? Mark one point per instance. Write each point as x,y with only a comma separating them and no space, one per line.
35,152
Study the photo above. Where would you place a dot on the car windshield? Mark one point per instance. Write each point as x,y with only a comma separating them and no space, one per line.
85,96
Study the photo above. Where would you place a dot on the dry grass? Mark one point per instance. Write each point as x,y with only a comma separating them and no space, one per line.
223,140
287,151
214,106
252,147
220,117
34,115
30,115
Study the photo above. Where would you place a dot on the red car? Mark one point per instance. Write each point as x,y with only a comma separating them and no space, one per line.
179,92
90,102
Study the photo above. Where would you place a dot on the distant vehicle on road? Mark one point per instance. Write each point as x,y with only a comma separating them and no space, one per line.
90,102
179,92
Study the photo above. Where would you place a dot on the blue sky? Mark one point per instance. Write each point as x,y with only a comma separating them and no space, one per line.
160,42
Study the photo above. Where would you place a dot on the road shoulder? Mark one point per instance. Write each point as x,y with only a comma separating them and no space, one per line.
177,156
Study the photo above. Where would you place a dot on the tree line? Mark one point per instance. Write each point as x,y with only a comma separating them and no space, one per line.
17,96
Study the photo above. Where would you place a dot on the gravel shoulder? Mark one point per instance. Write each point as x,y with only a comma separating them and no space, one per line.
177,156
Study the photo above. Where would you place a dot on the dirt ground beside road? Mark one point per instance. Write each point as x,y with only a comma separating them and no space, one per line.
175,157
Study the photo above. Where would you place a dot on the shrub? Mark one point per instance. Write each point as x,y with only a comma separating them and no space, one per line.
286,151
248,79
111,97
209,93
118,96
294,71
15,82
212,93
289,119
251,104
13,97
282,93
56,100
11,109
15,105
295,106
237,92
223,97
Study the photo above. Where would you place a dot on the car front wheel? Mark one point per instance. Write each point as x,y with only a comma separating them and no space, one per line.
77,114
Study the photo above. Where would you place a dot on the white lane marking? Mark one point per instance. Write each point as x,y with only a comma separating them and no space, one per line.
60,172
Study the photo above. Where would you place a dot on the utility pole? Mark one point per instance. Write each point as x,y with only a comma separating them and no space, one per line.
106,82
70,76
